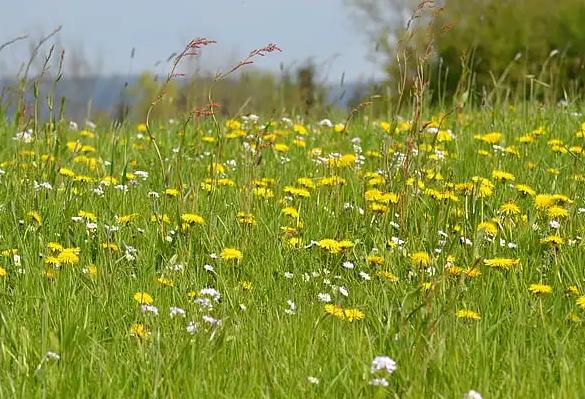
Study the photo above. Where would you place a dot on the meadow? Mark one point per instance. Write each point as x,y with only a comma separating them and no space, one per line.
259,257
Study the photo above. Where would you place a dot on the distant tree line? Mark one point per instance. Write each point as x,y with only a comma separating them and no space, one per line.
522,47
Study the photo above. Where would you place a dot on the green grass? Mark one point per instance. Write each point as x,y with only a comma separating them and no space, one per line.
524,345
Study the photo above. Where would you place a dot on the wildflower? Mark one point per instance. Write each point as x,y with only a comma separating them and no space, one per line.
165,282
149,309
292,307
557,212
502,176
365,276
572,290
175,311
143,298
525,190
297,192
192,327
467,314
231,254
88,216
581,302
353,314
139,330
379,382
490,228
172,192
335,310
421,259
554,241
348,265
472,395
323,297
509,209
387,276
490,138
383,363
246,218
290,211
375,260
213,322
192,218
35,216
52,356
502,263
68,256
313,380
540,289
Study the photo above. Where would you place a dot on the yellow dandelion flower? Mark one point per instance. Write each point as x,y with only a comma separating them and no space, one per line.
263,192
192,218
165,282
231,254
172,192
88,216
557,212
581,302
55,246
164,218
353,314
510,208
143,297
553,240
525,190
472,272
3,272
66,172
334,310
467,314
297,192
375,260
112,246
573,290
281,147
489,228
35,216
290,211
390,277
543,201
69,256
216,168
139,330
501,263
490,138
125,219
306,182
421,259
540,289
246,218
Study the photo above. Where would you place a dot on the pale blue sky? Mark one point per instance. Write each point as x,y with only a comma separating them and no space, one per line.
323,30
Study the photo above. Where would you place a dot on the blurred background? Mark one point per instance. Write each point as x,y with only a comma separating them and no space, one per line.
113,55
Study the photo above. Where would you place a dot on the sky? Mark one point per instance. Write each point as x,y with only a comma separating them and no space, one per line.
107,30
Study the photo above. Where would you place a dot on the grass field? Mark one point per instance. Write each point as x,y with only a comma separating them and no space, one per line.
286,259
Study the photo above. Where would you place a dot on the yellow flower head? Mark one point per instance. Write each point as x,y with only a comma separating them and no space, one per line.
502,263
540,289
143,297
139,330
467,314
421,259
231,254
192,218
